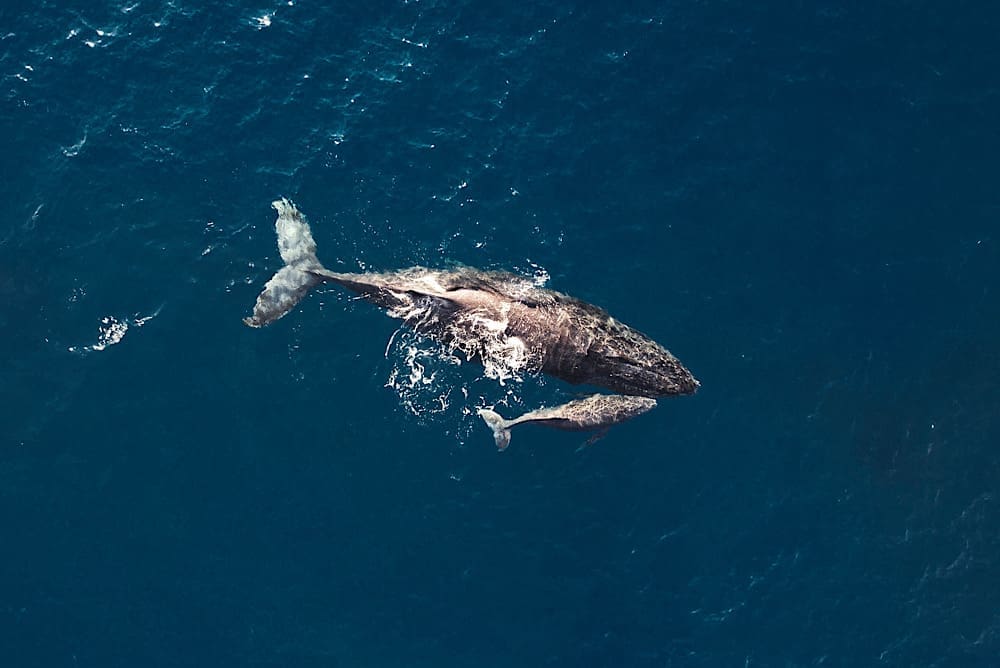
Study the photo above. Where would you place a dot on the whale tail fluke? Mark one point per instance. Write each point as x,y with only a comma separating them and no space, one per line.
287,287
500,427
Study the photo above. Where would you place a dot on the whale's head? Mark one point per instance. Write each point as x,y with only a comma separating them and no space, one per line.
627,361
660,376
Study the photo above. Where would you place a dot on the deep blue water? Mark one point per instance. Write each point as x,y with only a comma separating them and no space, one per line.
798,199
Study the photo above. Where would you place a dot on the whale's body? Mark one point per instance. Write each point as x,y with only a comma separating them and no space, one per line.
501,320
594,413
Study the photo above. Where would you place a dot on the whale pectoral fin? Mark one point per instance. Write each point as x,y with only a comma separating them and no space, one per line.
285,289
593,439
500,427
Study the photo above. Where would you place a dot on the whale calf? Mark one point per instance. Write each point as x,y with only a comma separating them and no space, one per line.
503,321
596,412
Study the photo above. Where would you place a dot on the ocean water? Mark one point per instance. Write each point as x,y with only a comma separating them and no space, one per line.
798,199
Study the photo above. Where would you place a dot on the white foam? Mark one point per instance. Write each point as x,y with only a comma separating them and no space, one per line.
111,331
74,150
415,375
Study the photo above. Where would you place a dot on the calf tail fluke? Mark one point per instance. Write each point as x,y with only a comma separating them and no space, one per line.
500,427
287,287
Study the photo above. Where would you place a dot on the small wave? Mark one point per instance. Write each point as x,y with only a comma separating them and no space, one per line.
74,150
267,18
33,220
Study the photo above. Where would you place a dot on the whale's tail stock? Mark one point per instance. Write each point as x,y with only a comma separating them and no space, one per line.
287,287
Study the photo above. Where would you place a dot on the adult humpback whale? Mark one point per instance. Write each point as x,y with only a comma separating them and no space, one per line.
503,321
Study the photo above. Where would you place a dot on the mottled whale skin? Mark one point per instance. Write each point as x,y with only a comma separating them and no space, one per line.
499,319
594,413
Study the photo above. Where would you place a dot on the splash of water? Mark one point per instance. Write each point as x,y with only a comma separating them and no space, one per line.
112,330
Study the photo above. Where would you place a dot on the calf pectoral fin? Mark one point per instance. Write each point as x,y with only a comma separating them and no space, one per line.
593,439
601,433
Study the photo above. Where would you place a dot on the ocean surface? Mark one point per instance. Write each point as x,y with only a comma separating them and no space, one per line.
800,200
